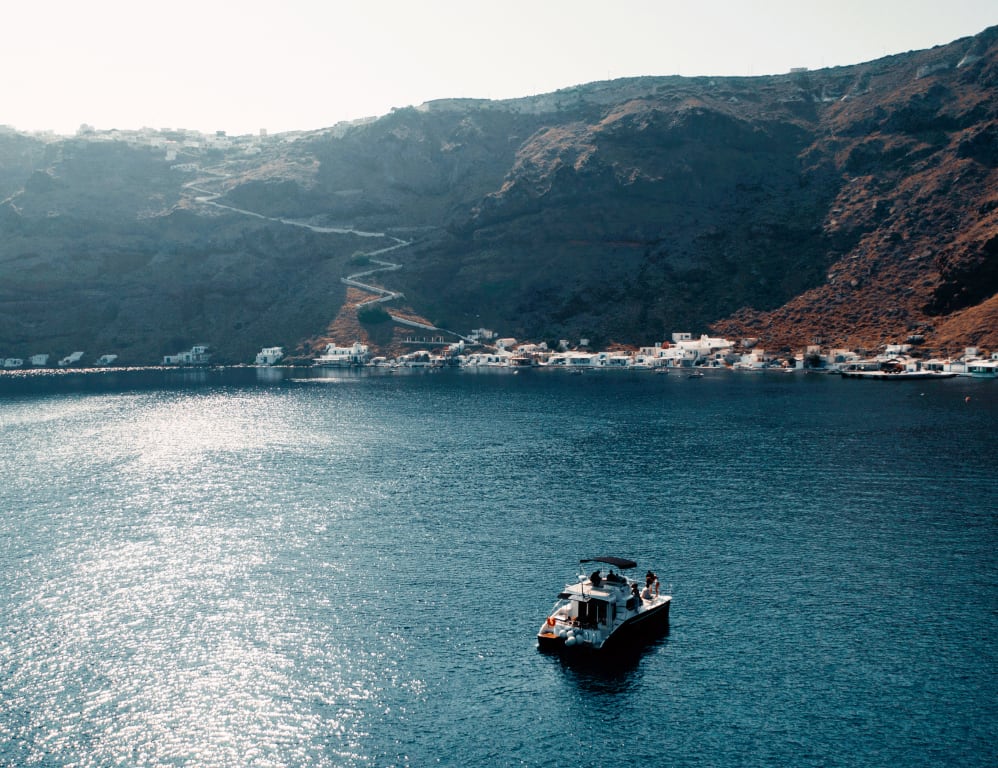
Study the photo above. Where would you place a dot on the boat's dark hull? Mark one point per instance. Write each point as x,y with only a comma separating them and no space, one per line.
636,630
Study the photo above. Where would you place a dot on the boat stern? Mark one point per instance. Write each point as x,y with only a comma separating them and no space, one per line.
549,642
564,636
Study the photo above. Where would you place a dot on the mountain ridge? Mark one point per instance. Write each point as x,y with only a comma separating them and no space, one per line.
852,206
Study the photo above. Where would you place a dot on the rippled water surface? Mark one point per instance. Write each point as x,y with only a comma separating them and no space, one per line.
215,570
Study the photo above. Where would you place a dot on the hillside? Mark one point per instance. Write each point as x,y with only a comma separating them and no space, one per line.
855,205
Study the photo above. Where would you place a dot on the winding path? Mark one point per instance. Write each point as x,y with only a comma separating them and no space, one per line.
206,197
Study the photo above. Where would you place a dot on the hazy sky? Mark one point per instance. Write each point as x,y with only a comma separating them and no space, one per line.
300,64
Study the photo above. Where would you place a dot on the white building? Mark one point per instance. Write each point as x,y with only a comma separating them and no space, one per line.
72,359
269,355
754,359
196,355
618,360
342,357
578,359
686,351
837,357
421,358
488,359
39,361
984,369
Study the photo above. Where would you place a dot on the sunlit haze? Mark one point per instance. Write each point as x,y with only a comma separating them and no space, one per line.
303,64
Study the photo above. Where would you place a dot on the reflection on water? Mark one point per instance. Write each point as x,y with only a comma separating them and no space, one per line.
154,619
271,375
180,376
612,672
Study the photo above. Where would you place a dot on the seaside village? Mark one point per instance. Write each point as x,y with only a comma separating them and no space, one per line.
684,352
481,348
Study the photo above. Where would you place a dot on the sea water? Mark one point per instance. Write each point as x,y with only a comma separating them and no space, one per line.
220,569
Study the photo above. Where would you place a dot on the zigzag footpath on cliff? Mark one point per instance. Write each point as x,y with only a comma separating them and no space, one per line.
206,197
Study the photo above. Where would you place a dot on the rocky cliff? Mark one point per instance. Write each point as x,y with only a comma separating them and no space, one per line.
856,206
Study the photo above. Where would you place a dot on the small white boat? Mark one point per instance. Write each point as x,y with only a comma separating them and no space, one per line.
605,609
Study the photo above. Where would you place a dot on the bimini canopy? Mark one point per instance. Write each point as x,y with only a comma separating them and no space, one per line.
620,562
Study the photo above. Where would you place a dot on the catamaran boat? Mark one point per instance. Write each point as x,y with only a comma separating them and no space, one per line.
605,609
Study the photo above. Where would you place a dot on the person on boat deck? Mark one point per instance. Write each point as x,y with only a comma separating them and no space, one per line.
646,593
636,595
595,578
651,581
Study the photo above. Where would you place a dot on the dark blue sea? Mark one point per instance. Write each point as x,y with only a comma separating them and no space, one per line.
233,568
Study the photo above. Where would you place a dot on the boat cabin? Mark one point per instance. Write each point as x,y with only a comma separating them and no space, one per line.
592,604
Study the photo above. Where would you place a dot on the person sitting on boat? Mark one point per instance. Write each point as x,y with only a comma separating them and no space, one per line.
635,600
646,593
595,578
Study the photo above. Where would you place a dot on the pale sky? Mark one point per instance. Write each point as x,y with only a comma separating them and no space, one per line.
302,64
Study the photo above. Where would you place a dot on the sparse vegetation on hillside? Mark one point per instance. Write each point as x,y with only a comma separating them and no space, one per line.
373,315
855,205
